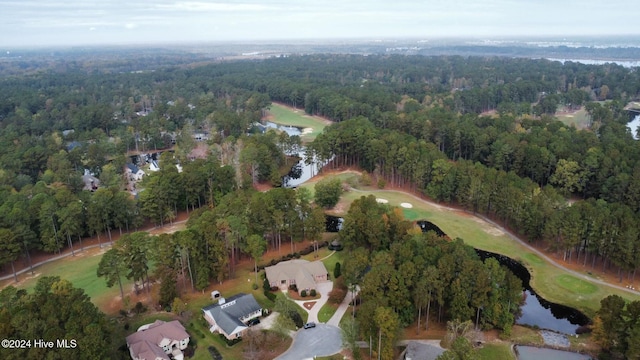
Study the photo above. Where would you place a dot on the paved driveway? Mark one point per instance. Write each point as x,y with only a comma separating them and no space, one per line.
323,340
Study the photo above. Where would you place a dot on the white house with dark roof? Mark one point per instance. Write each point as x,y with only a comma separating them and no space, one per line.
301,273
158,341
229,316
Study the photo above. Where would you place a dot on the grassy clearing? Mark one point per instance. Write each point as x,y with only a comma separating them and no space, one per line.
552,283
287,116
496,351
579,119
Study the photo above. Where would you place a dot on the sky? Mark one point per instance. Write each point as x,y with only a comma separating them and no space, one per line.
26,23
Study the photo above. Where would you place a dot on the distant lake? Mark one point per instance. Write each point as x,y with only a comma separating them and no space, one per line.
624,63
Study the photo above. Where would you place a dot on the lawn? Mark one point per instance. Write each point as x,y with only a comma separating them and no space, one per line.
579,119
552,283
500,351
287,116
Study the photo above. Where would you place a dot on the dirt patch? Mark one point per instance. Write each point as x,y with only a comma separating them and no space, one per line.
309,305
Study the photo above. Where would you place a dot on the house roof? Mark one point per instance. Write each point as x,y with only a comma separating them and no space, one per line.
228,314
303,271
134,169
147,341
417,350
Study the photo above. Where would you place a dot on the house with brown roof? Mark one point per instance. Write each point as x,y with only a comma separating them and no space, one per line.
301,273
158,341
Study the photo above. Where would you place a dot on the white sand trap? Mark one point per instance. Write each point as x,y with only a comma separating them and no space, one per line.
306,131
381,201
406,205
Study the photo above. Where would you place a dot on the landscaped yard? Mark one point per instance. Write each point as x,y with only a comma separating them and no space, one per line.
500,351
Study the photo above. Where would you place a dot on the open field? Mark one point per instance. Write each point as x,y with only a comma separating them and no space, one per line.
552,283
285,115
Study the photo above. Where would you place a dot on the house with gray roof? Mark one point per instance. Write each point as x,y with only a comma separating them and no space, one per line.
301,273
158,341
229,317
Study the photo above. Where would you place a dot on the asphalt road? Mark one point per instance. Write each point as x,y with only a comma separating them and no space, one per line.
323,340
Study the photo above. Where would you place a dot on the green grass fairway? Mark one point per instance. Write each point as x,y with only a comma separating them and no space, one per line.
579,119
287,116
552,283
576,285
81,272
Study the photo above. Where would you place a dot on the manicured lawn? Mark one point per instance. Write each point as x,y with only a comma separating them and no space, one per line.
579,119
326,312
552,283
287,116
576,285
496,351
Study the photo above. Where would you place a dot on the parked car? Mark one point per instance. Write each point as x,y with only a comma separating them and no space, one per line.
254,321
309,325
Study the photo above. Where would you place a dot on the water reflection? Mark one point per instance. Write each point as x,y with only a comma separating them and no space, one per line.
534,353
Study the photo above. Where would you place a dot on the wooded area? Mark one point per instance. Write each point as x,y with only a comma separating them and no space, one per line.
471,131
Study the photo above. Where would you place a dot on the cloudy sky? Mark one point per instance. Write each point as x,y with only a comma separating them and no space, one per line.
80,22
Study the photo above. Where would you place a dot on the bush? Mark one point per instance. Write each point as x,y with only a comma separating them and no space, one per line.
365,179
303,293
230,342
269,295
215,354
337,295
336,271
293,287
327,192
254,286
312,292
139,308
382,183
265,284
297,319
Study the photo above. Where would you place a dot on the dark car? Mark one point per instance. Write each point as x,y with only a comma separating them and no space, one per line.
309,325
254,321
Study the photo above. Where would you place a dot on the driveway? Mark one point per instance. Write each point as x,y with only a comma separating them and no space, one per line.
323,340
323,288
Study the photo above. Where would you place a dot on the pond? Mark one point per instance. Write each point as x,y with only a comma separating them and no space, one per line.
534,353
536,311
633,126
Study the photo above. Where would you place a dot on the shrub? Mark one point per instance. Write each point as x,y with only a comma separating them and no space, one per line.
365,179
269,295
382,183
293,287
296,255
312,292
230,342
215,354
303,293
297,319
254,286
139,308
336,271
265,284
337,295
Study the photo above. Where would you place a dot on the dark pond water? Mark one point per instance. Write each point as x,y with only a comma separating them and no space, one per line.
534,353
536,311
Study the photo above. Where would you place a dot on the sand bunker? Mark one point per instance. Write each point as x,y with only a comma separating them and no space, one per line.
306,131
406,205
382,201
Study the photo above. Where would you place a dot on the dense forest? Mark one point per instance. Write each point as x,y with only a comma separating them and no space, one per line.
477,132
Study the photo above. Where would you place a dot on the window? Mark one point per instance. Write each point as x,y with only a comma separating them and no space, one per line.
283,282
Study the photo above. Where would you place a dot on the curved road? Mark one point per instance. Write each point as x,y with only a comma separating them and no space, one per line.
512,236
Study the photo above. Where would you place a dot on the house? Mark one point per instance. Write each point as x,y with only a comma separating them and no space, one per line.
133,172
159,340
229,317
153,165
301,273
418,350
